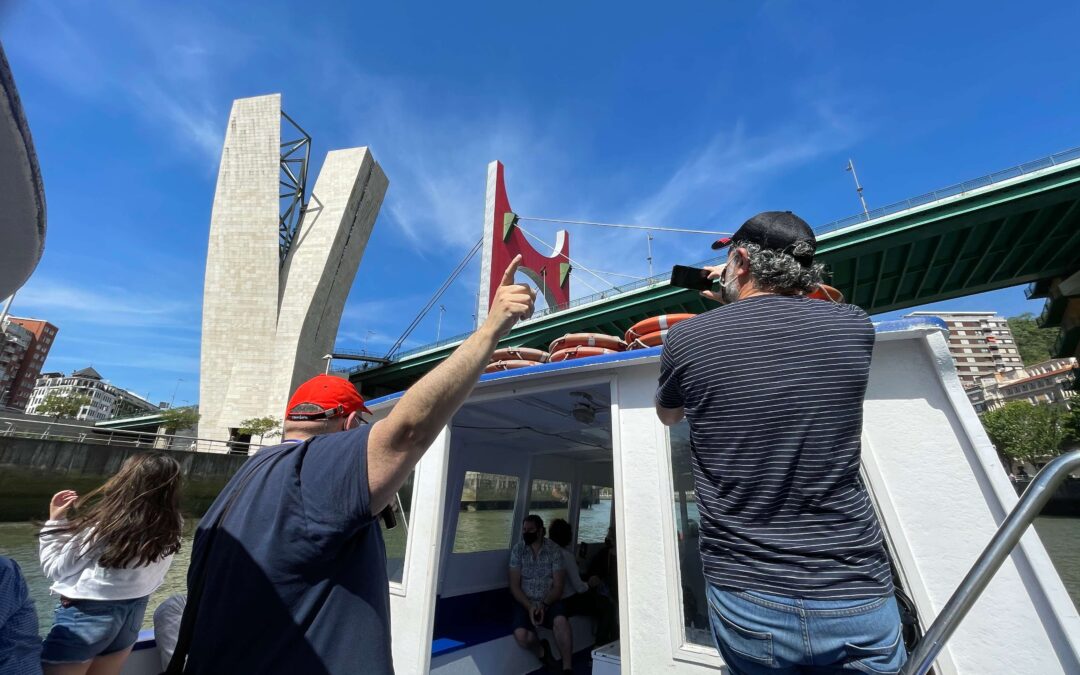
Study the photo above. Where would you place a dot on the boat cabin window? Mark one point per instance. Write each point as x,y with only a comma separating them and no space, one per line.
396,539
596,516
550,500
489,500
687,532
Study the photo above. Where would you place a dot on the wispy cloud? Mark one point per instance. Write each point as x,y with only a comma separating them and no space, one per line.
437,159
113,306
168,362
166,68
737,164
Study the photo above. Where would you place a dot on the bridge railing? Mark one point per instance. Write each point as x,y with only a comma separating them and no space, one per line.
148,413
11,427
954,190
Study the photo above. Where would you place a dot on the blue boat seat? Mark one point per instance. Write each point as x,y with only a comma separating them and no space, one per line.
466,620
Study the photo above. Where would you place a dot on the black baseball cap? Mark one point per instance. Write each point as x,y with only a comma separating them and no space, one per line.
776,230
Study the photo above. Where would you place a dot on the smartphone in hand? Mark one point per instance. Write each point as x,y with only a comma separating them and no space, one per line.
694,278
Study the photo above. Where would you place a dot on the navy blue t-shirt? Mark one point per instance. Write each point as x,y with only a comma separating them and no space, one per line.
296,570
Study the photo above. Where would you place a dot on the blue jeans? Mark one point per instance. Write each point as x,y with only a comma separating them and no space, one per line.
88,628
760,634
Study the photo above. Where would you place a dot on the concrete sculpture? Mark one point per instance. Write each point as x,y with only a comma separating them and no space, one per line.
279,264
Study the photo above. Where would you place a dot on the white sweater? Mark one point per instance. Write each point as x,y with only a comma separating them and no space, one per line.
76,574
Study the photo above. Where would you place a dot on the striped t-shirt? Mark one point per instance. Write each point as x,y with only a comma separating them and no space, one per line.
773,390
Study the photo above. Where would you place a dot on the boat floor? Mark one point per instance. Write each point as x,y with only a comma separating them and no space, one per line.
582,664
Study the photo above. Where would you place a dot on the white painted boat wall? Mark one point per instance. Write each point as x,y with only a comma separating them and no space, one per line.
939,487
941,492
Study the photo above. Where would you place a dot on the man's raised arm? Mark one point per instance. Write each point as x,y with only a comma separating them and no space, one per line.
396,443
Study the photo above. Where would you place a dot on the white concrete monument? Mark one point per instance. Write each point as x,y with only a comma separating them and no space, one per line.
279,264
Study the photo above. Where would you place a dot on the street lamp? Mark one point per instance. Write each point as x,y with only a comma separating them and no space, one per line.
173,399
328,358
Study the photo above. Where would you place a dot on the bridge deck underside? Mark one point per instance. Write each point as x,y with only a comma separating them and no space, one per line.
1010,235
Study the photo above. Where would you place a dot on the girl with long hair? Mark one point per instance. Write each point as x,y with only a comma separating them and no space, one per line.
105,553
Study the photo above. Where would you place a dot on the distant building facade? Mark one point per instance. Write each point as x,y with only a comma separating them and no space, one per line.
26,345
980,343
1052,381
14,341
105,401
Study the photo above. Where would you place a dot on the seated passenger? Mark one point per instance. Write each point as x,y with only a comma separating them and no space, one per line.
20,646
603,566
167,619
536,582
580,597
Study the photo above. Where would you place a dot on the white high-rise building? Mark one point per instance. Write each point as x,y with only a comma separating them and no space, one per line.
980,343
103,400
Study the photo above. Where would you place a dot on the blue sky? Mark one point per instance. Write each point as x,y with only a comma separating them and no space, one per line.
693,115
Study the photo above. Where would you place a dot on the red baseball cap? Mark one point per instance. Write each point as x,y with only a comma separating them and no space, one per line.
335,396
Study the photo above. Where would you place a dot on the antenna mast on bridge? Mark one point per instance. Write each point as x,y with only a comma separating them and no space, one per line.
858,188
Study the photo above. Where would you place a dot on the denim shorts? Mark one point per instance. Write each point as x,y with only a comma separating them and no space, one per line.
758,633
88,628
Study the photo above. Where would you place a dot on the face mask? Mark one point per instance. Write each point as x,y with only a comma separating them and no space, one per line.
729,287
529,538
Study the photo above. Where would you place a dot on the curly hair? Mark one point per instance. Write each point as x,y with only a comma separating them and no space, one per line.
779,272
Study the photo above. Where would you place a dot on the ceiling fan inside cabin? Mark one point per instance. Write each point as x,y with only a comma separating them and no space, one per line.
585,407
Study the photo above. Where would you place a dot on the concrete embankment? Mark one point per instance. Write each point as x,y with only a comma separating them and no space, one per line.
33,470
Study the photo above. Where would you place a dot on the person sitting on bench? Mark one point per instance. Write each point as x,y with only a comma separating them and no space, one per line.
536,582
581,597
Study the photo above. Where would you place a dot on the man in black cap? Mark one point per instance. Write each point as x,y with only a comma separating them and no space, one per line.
772,385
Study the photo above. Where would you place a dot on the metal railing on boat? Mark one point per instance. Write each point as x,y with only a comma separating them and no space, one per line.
995,553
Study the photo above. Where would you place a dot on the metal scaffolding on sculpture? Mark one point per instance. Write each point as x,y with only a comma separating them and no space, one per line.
293,180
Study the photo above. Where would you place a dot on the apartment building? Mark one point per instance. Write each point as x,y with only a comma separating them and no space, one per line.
1052,381
104,400
980,343
31,358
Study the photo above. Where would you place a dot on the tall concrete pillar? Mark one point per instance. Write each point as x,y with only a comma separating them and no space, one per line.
267,321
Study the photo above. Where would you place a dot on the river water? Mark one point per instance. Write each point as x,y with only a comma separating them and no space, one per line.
478,531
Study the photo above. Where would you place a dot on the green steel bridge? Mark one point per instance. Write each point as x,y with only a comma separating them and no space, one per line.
1017,226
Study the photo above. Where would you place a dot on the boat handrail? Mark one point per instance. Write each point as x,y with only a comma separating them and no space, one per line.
1001,545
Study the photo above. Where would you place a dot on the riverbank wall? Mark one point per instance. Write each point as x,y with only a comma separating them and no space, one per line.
33,470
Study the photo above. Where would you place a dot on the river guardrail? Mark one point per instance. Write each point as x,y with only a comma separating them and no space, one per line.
11,427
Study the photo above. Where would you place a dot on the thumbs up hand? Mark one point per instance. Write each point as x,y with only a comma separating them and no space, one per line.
513,302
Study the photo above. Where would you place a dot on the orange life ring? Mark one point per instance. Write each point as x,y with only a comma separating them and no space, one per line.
580,352
651,340
588,340
520,354
823,292
654,324
508,364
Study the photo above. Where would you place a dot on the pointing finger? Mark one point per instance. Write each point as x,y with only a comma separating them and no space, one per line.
511,270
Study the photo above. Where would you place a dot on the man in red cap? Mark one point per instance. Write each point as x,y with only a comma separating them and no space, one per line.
288,568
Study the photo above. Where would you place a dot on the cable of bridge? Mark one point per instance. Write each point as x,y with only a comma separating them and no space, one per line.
626,226
569,259
435,298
